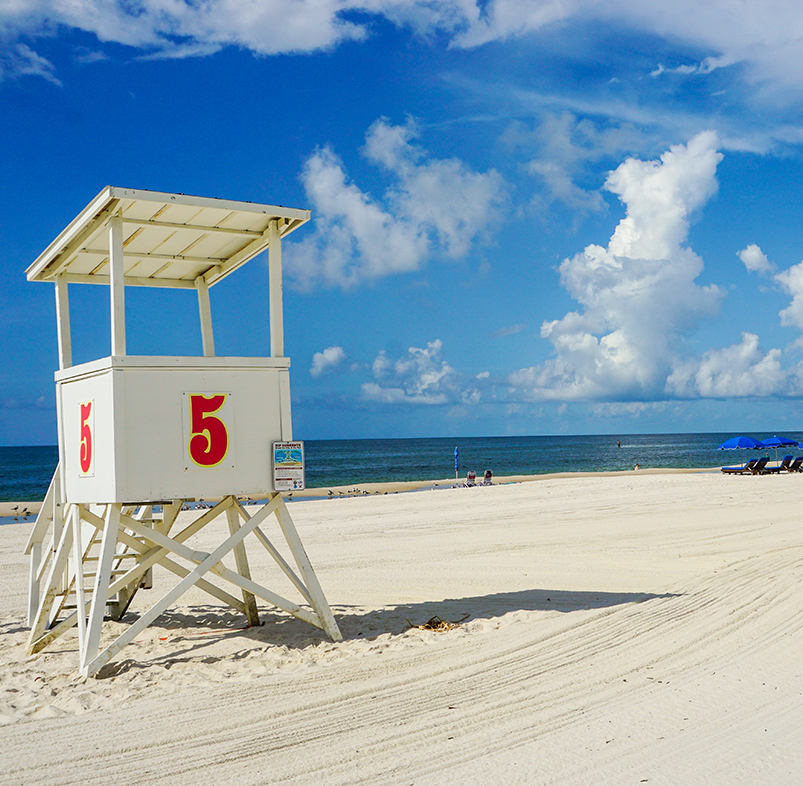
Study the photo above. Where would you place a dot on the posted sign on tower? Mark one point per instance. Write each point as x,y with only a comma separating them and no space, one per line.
288,466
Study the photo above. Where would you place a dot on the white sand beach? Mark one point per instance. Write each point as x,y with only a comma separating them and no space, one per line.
622,629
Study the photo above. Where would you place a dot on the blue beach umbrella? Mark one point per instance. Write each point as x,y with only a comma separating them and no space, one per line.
456,464
778,442
740,442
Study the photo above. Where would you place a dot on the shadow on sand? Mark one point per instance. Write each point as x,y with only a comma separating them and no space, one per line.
200,627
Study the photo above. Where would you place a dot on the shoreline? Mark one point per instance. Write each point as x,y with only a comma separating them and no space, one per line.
7,509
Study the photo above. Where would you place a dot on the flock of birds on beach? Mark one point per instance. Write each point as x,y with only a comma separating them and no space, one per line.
330,494
204,505
355,492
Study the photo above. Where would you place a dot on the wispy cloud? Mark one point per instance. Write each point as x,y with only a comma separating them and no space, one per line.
705,67
20,60
765,35
511,330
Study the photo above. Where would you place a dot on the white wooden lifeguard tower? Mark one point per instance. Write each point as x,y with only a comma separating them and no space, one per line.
139,433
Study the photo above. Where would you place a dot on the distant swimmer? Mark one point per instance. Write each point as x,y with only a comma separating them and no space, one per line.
618,444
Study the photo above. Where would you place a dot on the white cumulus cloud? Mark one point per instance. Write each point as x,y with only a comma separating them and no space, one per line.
736,371
324,361
422,376
792,282
638,295
755,260
435,206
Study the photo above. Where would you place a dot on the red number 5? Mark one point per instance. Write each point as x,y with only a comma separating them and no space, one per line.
86,438
209,437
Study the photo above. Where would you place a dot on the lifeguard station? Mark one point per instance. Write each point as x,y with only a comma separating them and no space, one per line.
142,436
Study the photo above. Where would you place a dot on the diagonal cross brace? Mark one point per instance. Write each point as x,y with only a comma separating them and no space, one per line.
208,563
225,573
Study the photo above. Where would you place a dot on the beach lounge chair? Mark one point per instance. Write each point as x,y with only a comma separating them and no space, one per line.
486,478
785,464
773,469
744,469
471,479
795,466
760,467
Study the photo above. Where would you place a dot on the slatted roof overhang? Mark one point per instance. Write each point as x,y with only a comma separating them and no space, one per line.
169,240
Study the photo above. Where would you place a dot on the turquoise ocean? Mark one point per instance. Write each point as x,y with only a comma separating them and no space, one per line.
25,472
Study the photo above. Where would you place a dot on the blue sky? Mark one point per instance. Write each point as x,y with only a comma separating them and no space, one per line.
529,217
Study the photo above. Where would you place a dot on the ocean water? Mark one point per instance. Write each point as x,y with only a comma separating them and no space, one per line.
25,472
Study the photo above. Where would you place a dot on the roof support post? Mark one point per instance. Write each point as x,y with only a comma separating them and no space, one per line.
275,280
63,323
117,283
205,309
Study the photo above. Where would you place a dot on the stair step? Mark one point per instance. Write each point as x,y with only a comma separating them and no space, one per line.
115,572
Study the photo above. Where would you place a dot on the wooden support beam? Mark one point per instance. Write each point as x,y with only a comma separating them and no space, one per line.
307,573
309,617
52,586
79,234
176,545
131,281
101,591
143,255
127,592
241,561
41,527
33,581
80,600
142,222
205,309
116,264
275,294
63,323
277,557
43,519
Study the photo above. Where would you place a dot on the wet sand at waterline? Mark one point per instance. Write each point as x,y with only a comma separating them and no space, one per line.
641,627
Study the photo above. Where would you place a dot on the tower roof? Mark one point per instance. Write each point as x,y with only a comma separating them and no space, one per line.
169,240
